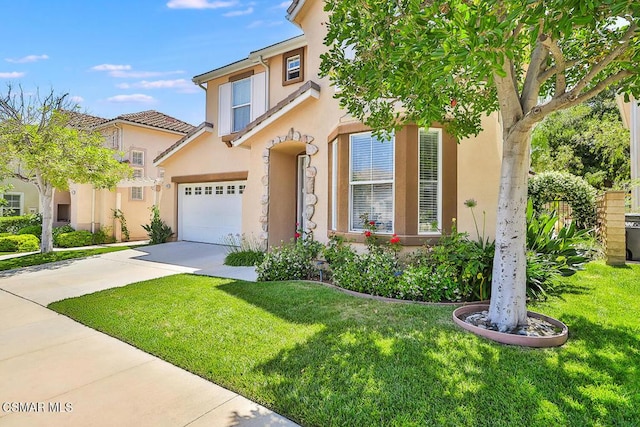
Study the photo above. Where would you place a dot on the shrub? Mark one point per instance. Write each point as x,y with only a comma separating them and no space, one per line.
290,261
75,239
548,186
103,235
244,258
158,230
19,243
461,265
552,253
374,273
57,231
36,230
11,224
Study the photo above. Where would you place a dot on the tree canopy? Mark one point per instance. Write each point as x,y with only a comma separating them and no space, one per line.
37,145
587,140
453,62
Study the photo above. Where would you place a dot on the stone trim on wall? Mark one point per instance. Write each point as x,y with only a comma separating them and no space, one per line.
310,199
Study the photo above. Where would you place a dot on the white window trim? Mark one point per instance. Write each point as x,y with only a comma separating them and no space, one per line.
439,132
136,169
141,194
13,193
392,181
132,156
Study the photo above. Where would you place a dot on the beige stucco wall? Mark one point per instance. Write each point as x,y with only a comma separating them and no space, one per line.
29,193
479,162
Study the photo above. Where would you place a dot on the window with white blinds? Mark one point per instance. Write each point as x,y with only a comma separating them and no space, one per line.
429,181
371,181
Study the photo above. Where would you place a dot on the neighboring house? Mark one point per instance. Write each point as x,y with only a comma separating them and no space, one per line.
139,137
20,198
630,112
276,150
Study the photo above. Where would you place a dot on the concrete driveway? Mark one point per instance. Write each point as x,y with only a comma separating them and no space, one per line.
47,283
57,372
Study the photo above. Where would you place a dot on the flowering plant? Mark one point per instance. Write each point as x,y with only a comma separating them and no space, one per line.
370,227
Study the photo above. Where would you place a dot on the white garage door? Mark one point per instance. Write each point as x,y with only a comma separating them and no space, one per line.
209,211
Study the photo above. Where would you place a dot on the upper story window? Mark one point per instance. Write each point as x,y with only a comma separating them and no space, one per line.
137,158
240,101
371,179
293,67
137,173
241,104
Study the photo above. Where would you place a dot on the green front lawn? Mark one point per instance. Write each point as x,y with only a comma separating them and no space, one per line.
37,259
324,358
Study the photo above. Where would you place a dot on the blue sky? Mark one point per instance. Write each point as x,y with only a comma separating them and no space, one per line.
124,56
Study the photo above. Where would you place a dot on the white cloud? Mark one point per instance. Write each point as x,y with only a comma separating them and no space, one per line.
284,5
181,85
260,24
136,97
111,67
247,11
200,4
77,99
28,58
142,74
11,75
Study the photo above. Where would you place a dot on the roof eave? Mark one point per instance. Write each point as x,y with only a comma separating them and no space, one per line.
311,93
252,60
132,123
294,9
204,127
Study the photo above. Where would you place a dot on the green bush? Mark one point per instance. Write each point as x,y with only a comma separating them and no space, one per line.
549,186
103,235
75,239
244,258
291,261
57,231
19,243
36,230
11,224
374,273
158,230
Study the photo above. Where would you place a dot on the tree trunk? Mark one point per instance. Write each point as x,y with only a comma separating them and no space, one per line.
508,289
46,201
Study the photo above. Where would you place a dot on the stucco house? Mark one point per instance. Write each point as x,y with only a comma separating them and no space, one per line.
276,150
139,137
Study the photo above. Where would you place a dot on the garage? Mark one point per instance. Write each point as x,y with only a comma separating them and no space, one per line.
209,211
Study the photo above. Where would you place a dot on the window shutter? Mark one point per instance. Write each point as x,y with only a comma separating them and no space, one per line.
429,220
258,95
224,109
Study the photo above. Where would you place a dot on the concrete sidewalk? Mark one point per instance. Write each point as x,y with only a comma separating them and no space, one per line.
57,372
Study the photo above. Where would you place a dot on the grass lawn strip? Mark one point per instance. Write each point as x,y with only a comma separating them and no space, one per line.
38,259
323,358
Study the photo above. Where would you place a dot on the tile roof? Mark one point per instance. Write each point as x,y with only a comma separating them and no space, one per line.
158,120
84,121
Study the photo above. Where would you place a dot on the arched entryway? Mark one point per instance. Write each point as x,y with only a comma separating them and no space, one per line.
288,195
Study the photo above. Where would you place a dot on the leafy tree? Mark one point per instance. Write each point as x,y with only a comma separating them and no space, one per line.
587,140
455,61
38,146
